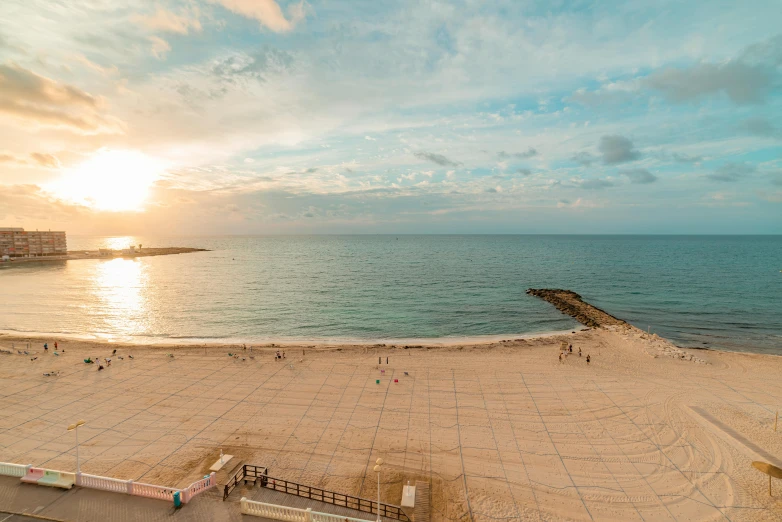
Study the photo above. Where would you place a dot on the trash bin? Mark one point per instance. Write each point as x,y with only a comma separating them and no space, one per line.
177,499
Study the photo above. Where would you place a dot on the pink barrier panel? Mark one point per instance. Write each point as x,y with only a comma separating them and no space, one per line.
33,475
151,491
104,483
196,488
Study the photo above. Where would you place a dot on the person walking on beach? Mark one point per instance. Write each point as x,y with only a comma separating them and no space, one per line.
55,345
579,352
560,357
587,358
46,347
570,348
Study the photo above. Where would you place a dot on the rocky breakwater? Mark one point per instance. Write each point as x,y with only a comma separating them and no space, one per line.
570,303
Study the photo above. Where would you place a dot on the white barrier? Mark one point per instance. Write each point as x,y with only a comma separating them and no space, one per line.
152,491
13,470
328,517
287,514
119,486
105,483
198,487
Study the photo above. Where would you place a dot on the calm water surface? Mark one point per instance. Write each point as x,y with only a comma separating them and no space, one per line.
722,292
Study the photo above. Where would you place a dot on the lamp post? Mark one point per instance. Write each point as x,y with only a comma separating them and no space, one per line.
75,427
378,462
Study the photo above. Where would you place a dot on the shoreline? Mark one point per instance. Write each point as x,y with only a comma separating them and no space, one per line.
8,338
411,342
567,302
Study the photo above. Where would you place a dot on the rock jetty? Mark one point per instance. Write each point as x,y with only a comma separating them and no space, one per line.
570,303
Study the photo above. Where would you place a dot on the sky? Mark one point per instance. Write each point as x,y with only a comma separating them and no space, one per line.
325,116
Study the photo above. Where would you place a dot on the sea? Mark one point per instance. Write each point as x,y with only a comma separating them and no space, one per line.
721,292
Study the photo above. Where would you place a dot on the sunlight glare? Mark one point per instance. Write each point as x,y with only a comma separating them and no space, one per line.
113,180
120,286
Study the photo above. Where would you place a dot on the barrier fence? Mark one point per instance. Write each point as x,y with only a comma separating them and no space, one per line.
288,514
198,487
13,470
128,487
105,483
152,491
248,471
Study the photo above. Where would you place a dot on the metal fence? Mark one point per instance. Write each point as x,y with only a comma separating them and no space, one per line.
249,472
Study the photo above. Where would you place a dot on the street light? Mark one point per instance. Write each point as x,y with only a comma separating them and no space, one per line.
377,468
75,427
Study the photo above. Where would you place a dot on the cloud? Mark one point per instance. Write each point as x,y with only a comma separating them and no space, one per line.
169,22
7,157
685,158
746,80
436,158
268,12
761,127
596,184
584,158
160,47
33,204
45,160
742,83
259,65
105,71
611,93
617,149
731,172
43,101
530,152
8,46
369,138
771,197
524,172
639,176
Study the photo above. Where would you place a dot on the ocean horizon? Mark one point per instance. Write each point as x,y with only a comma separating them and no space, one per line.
706,291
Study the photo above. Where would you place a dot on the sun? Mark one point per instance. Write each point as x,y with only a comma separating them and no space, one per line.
112,180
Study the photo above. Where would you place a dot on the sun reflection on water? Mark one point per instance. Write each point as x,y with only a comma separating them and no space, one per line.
119,286
120,242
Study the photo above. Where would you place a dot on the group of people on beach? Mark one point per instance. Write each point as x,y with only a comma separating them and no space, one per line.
568,351
278,356
56,345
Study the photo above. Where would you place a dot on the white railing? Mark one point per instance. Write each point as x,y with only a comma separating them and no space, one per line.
121,486
13,470
152,491
289,514
198,487
105,483
328,517
273,511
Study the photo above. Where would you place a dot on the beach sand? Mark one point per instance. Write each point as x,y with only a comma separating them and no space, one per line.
501,430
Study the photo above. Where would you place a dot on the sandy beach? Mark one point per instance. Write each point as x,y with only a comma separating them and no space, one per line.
502,430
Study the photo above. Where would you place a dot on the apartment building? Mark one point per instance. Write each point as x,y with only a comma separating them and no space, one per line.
16,242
